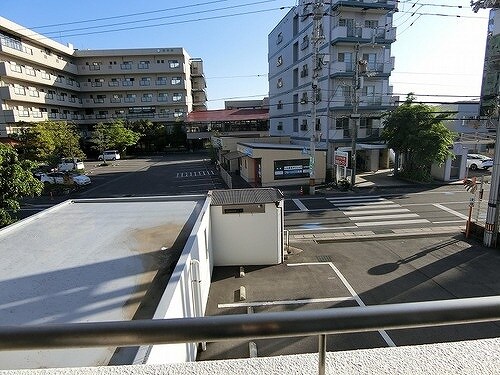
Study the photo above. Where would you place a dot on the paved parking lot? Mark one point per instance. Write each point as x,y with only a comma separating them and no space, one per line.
332,275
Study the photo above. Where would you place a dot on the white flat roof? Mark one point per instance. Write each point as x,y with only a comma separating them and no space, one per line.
82,261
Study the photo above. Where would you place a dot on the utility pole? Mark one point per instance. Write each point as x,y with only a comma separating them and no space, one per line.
317,36
491,224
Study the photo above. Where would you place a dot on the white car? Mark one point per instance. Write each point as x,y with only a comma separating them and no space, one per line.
110,155
70,164
478,161
63,178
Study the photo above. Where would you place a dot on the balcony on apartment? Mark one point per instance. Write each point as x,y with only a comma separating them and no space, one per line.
363,35
196,67
373,69
129,67
382,5
32,95
33,54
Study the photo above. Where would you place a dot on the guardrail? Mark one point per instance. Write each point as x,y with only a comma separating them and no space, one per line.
252,326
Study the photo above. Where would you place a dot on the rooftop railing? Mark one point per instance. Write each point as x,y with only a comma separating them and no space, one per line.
253,326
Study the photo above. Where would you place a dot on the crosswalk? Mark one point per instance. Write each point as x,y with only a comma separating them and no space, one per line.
367,211
195,174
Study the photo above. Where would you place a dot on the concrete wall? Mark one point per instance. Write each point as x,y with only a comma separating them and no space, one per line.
456,165
247,238
178,300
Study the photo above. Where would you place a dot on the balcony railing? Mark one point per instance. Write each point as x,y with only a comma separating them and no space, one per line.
253,326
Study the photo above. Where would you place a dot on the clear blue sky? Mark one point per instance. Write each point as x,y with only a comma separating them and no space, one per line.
435,55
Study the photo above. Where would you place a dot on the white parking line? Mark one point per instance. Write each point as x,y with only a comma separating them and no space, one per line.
285,302
383,333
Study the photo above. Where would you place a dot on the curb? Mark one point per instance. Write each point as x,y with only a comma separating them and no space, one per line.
323,238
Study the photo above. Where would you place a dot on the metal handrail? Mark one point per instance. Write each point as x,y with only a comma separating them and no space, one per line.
262,325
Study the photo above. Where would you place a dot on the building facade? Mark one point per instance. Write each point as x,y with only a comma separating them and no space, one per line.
344,48
41,79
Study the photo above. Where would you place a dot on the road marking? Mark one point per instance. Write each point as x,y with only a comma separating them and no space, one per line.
449,210
351,290
320,229
300,205
285,302
378,223
448,222
371,212
364,206
381,217
367,203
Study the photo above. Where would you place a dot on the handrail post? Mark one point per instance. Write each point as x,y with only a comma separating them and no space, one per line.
321,354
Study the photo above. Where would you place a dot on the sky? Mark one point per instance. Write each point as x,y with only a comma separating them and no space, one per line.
438,57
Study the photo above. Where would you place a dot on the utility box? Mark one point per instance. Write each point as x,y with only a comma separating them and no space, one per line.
247,226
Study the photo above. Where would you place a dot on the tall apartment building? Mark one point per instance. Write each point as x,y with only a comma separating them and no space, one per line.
351,38
42,79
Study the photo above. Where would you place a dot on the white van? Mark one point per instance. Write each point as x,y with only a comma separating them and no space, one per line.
110,155
70,164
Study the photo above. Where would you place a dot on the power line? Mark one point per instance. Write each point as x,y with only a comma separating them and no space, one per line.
130,14
56,33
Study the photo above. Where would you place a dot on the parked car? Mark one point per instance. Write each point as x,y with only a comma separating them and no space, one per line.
475,161
110,155
63,178
70,164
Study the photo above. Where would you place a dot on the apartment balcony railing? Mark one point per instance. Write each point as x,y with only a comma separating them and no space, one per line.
253,326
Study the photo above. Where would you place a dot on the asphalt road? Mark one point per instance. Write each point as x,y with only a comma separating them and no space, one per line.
447,205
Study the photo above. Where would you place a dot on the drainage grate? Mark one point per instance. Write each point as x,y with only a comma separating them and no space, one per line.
324,258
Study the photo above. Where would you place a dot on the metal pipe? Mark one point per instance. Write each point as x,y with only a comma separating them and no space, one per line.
262,325
322,354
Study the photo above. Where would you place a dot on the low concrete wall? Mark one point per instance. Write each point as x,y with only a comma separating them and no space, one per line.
186,294
457,358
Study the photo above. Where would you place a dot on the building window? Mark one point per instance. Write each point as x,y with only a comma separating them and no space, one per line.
279,105
19,90
305,42
29,71
279,83
145,81
15,68
175,81
96,65
114,82
279,39
173,64
305,71
116,98
342,123
147,98
143,65
128,82
178,112
98,82
100,99
126,65
295,125
176,97
161,81
304,99
279,127
318,125
44,74
130,98
280,61
162,97
372,24
303,126
295,25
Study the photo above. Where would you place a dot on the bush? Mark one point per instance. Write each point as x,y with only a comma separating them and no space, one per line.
343,184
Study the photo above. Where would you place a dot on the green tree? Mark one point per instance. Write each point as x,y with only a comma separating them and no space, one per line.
113,136
177,136
153,135
49,141
16,182
417,133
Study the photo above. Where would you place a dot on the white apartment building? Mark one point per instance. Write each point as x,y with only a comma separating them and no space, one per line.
41,79
355,38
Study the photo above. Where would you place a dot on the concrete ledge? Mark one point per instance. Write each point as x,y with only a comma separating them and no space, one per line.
464,357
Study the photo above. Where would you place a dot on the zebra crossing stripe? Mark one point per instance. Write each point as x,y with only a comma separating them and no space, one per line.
372,212
380,217
365,207
398,222
354,204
